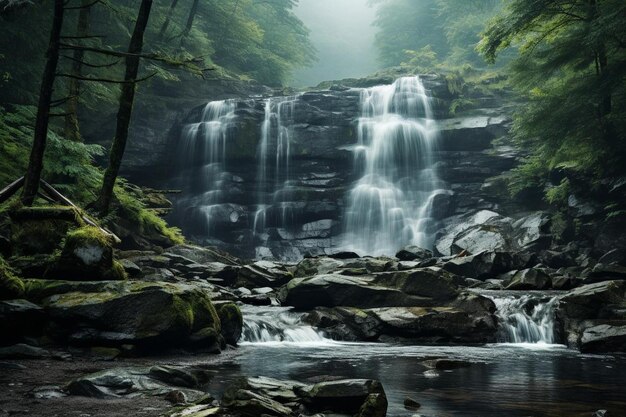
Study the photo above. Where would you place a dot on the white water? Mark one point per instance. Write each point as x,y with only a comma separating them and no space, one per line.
278,325
202,154
390,206
274,159
529,318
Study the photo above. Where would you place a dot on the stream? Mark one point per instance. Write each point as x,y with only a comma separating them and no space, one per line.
515,378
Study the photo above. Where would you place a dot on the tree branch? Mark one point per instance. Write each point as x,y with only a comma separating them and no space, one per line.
107,80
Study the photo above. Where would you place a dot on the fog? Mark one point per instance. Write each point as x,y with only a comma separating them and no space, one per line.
342,33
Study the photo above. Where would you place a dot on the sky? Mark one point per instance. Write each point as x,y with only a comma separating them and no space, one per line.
342,33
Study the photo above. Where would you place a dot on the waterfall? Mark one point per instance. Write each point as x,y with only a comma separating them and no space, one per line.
274,197
276,324
529,318
201,157
390,206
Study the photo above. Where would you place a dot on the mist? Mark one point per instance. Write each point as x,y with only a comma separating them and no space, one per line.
342,33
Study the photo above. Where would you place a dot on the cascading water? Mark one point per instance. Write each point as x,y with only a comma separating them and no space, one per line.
274,197
277,324
389,207
201,158
529,318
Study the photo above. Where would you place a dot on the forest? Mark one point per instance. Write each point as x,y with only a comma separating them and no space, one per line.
313,208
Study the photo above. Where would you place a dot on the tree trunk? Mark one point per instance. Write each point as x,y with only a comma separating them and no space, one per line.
190,19
72,129
168,18
127,97
35,164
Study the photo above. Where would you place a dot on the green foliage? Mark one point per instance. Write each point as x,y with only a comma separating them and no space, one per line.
449,29
572,71
558,195
147,222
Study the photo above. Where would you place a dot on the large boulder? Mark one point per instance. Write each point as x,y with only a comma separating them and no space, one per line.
360,397
317,266
87,255
593,316
231,321
533,231
149,315
432,282
20,318
263,274
130,382
345,323
332,290
530,279
438,324
11,286
414,253
604,338
483,231
484,265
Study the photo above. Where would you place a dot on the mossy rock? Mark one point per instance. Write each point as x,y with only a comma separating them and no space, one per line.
231,321
87,255
10,285
149,315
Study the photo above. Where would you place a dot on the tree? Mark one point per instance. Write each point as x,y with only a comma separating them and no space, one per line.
124,113
72,130
35,164
572,70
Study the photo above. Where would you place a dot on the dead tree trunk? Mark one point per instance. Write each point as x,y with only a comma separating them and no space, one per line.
35,164
127,97
72,129
190,18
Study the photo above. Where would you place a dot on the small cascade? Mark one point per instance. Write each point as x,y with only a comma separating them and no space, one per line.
390,206
275,205
201,158
276,324
529,318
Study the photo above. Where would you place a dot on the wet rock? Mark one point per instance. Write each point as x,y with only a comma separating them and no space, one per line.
149,315
23,351
131,268
345,323
604,338
437,324
414,253
176,397
129,382
346,396
231,322
447,364
482,231
605,272
331,290
592,300
47,392
617,256
203,255
263,274
533,231
529,279
317,266
411,404
20,318
434,283
482,265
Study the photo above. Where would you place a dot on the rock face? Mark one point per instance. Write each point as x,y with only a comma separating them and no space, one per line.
253,215
594,318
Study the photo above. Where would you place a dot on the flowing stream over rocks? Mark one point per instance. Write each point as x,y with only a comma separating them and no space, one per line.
525,318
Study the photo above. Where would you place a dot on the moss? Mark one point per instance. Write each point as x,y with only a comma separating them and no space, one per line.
116,273
10,285
32,237
85,236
